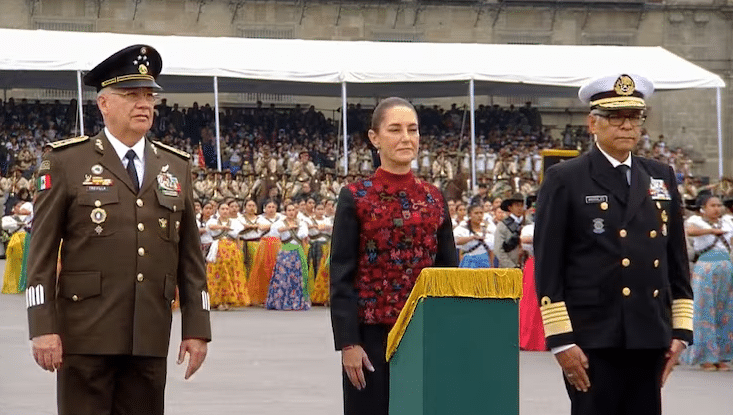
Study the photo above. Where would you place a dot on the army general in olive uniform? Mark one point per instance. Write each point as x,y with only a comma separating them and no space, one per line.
611,261
121,207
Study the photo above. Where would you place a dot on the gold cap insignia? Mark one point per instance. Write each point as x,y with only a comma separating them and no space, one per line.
624,85
143,69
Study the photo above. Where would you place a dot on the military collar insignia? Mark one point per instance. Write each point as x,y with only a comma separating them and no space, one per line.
624,86
658,189
97,169
98,145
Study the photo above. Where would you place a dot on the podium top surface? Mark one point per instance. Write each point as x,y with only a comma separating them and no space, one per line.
455,282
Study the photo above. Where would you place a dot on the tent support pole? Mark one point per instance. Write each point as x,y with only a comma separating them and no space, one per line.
720,132
81,105
472,100
343,124
216,118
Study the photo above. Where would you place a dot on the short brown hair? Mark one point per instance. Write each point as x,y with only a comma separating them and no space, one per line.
384,105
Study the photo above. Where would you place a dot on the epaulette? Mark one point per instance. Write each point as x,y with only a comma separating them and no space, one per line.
67,142
172,150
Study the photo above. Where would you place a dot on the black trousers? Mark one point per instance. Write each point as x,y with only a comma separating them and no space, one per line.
623,382
111,385
374,399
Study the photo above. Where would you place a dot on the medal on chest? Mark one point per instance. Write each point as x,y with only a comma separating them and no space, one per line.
168,184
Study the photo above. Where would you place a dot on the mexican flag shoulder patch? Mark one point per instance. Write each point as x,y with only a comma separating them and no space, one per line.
44,182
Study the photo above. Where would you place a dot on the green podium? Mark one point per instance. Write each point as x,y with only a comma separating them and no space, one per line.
455,347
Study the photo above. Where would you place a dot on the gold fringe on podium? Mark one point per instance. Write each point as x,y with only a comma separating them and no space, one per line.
455,282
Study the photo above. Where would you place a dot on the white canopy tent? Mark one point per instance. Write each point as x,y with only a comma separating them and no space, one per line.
51,59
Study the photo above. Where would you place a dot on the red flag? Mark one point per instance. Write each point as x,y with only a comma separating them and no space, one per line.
202,162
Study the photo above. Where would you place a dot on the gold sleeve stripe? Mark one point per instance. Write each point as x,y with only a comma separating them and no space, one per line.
555,318
682,313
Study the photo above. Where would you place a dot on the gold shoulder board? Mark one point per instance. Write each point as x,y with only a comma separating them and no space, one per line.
67,142
172,150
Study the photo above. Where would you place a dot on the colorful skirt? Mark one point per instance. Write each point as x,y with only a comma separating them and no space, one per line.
262,266
475,261
225,276
249,249
320,294
14,264
712,320
288,288
531,330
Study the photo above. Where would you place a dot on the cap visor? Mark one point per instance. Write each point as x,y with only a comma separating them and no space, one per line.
619,103
138,83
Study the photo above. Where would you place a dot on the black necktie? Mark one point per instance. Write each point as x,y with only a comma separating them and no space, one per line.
626,173
130,156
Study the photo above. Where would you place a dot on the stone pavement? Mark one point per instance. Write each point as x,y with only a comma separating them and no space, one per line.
273,363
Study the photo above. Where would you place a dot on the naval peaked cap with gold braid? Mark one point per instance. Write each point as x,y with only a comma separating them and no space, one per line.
616,92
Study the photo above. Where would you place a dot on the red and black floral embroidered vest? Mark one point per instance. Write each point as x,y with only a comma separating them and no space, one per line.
399,217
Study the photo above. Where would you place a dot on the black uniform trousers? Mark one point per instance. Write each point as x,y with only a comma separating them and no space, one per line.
623,382
374,399
111,385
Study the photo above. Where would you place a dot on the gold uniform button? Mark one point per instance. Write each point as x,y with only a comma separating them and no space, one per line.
656,293
141,251
653,234
75,297
604,206
97,203
656,263
140,277
625,262
626,291
139,203
622,233
140,227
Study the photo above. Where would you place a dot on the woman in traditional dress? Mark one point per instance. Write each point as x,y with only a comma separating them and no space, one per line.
471,240
289,283
307,214
330,209
265,255
387,229
207,211
225,268
15,224
712,285
320,241
531,330
460,217
250,235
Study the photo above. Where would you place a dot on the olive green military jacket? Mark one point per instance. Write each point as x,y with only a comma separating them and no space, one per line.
123,253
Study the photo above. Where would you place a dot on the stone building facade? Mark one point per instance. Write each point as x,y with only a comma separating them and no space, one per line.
698,30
